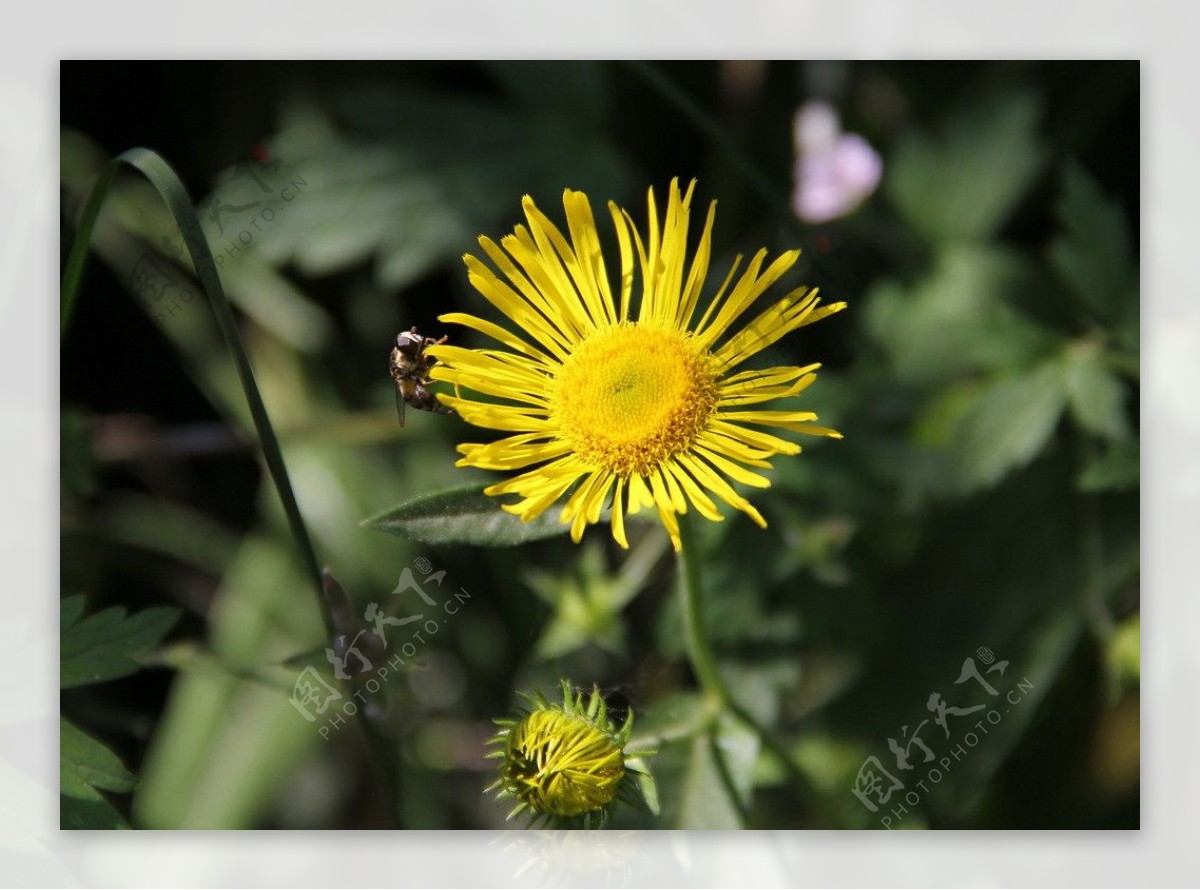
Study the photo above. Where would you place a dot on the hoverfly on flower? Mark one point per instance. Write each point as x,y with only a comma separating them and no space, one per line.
409,364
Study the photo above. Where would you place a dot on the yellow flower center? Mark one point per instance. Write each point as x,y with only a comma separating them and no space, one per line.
631,397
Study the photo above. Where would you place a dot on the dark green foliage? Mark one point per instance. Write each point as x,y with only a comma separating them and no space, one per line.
106,645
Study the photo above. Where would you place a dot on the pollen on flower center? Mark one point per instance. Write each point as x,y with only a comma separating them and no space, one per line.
632,396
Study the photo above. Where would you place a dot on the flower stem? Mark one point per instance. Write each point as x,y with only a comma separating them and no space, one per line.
173,193
699,650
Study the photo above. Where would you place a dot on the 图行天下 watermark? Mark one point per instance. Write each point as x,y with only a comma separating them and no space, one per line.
234,224
365,658
894,794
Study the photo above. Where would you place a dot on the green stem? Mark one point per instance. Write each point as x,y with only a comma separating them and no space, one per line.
699,648
77,258
700,654
171,189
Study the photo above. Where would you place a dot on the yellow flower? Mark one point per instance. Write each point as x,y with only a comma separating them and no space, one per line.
565,761
643,408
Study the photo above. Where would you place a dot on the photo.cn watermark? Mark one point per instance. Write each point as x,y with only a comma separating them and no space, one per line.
236,224
885,792
367,659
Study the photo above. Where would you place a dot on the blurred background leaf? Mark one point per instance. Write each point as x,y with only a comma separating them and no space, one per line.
1007,425
700,771
87,768
106,645
961,181
1093,254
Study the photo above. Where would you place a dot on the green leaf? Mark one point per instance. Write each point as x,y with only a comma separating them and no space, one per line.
405,176
1096,395
958,319
1093,254
85,767
697,791
1117,469
1007,426
964,182
170,188
464,516
97,813
227,743
648,787
678,716
70,610
1124,650
587,602
106,645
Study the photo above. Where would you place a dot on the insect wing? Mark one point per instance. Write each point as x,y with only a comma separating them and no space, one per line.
400,406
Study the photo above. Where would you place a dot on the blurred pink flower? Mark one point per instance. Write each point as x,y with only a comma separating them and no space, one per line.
835,171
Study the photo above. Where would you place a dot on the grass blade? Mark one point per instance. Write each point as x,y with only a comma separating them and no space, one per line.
169,187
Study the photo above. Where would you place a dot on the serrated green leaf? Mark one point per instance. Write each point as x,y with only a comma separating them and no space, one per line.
71,609
96,813
106,645
1117,469
963,182
1096,395
1093,254
463,516
1007,426
86,765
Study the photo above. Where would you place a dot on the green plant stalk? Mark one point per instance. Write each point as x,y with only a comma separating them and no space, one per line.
77,258
700,655
699,648
171,189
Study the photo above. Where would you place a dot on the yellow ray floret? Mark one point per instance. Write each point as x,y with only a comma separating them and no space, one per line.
612,404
